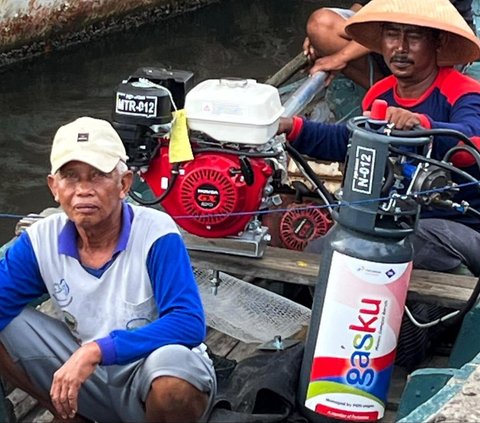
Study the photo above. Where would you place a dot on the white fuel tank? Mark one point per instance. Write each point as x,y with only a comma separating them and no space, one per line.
234,110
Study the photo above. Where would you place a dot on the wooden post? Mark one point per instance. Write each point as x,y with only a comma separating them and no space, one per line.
291,68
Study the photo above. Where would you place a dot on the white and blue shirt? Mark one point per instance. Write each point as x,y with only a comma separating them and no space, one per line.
142,299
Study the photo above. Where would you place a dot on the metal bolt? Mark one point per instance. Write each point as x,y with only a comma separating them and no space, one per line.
278,343
215,282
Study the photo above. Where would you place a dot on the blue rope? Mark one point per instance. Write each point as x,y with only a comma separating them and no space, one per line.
12,216
324,206
309,207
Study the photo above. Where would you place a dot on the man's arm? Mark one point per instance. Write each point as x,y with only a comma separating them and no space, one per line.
68,379
181,317
338,61
322,141
20,279
20,283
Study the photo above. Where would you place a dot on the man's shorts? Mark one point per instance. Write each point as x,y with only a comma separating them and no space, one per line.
344,13
41,344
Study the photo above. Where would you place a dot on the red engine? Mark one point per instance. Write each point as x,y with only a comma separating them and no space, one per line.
215,195
239,169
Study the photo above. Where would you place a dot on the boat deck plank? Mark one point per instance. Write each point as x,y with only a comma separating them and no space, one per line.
220,343
295,267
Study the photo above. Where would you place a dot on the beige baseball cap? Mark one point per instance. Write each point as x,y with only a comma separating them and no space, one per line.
88,140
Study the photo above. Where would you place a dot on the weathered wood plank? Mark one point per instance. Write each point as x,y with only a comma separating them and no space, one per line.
220,343
389,416
242,351
440,289
302,268
22,403
37,415
276,264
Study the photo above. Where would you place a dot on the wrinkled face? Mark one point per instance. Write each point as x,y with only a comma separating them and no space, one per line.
410,51
88,196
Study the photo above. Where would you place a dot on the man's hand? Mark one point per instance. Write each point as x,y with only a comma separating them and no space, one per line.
402,119
332,64
285,125
68,379
309,51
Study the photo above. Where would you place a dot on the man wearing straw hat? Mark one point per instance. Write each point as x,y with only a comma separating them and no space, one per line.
330,49
420,42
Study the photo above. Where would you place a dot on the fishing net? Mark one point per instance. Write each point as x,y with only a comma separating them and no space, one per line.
247,312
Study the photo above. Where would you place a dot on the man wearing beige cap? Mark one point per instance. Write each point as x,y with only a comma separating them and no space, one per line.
127,346
420,42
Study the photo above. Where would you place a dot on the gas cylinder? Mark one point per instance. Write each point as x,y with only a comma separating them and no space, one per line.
361,289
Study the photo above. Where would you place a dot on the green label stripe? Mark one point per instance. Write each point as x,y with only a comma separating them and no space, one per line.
325,387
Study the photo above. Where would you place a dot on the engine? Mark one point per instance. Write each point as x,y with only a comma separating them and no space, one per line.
239,166
235,182
215,195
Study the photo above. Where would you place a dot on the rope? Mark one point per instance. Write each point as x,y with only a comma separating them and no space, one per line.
338,204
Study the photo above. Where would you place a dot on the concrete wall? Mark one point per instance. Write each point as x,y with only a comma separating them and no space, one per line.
32,26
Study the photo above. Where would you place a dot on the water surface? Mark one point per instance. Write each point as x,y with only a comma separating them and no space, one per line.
247,38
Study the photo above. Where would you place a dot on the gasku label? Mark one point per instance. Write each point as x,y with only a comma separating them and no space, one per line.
363,170
355,348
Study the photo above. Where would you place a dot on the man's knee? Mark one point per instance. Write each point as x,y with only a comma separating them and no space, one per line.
172,397
321,21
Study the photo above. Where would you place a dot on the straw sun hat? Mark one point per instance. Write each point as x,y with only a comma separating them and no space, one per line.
461,45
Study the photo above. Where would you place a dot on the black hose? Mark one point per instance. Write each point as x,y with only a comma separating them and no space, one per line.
311,174
438,163
457,318
159,199
432,132
389,180
199,150
453,150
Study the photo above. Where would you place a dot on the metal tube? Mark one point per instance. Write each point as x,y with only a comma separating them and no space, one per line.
304,94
